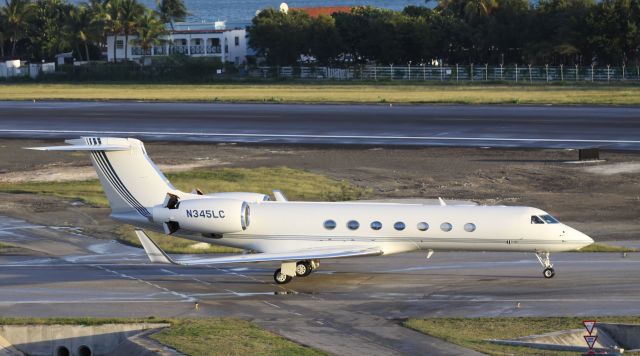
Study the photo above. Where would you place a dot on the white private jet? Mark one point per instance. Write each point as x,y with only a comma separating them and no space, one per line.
300,234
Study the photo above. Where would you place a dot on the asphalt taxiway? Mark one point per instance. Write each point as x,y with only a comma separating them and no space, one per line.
348,306
449,125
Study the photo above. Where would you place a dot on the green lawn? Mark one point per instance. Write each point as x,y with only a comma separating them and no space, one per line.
206,336
330,93
296,184
472,332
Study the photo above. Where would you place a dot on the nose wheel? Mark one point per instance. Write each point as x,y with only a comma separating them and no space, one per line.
545,261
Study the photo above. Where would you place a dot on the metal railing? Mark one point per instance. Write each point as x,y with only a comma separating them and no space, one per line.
456,73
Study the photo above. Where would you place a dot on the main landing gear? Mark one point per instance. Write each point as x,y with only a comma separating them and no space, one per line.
545,261
288,270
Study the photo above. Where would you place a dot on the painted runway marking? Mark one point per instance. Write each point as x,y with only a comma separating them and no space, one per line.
125,276
350,137
271,304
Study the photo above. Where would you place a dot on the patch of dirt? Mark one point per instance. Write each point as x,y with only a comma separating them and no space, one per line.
605,206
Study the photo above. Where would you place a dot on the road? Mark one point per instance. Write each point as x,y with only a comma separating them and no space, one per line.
450,125
348,307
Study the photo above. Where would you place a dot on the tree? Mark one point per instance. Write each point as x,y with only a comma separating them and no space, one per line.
149,30
171,11
474,9
2,33
16,14
110,18
130,12
280,37
323,39
81,28
46,31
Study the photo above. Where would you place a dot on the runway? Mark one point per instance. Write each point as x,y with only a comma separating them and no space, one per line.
365,298
425,125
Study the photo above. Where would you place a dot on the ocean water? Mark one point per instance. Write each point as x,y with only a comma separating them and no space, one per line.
240,12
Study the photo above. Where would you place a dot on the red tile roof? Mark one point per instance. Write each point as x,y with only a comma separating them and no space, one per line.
325,10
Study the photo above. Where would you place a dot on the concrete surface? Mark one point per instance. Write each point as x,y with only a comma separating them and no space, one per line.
424,125
108,339
348,306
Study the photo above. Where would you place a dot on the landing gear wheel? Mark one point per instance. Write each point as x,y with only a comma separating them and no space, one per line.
303,269
548,273
281,278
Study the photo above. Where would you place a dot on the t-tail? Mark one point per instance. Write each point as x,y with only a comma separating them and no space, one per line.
132,183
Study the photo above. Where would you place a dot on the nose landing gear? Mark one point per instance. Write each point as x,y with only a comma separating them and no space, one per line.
545,261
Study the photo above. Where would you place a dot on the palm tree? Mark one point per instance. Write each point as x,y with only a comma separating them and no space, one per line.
110,17
479,8
80,27
2,30
149,30
130,12
171,11
16,14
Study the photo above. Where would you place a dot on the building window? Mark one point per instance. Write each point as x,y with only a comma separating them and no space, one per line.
197,42
353,225
119,44
469,227
399,226
423,226
376,225
329,224
237,41
446,227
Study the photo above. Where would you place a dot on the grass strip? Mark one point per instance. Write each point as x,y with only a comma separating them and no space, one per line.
602,247
202,336
473,332
331,93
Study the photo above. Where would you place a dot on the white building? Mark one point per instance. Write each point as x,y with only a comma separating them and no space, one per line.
191,39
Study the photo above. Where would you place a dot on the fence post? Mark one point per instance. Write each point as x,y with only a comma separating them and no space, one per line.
441,71
409,70
561,73
530,79
608,74
471,73
516,72
592,65
457,77
546,68
391,73
623,72
486,72
375,72
577,77
501,72
424,72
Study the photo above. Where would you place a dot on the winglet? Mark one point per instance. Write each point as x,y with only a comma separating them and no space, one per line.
442,202
155,254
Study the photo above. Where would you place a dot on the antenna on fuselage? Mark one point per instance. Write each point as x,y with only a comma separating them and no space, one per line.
442,202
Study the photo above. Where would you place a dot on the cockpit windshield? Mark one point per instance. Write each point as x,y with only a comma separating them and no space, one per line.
549,219
536,220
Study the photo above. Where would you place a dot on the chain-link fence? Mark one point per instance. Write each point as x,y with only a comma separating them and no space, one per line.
455,73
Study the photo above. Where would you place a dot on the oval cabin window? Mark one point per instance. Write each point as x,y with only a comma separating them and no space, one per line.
399,226
353,225
469,227
446,227
376,225
329,224
423,226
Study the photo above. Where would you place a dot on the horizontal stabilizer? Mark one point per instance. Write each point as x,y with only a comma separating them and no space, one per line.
155,254
89,144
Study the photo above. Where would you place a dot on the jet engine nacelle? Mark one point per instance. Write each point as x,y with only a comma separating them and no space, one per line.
205,215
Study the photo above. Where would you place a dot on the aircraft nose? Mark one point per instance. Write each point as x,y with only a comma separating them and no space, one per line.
579,236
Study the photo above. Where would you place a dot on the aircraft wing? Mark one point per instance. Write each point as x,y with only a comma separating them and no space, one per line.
156,255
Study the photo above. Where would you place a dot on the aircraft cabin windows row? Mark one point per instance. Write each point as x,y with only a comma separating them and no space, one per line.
399,225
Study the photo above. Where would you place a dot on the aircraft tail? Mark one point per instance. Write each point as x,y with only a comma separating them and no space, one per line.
132,183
